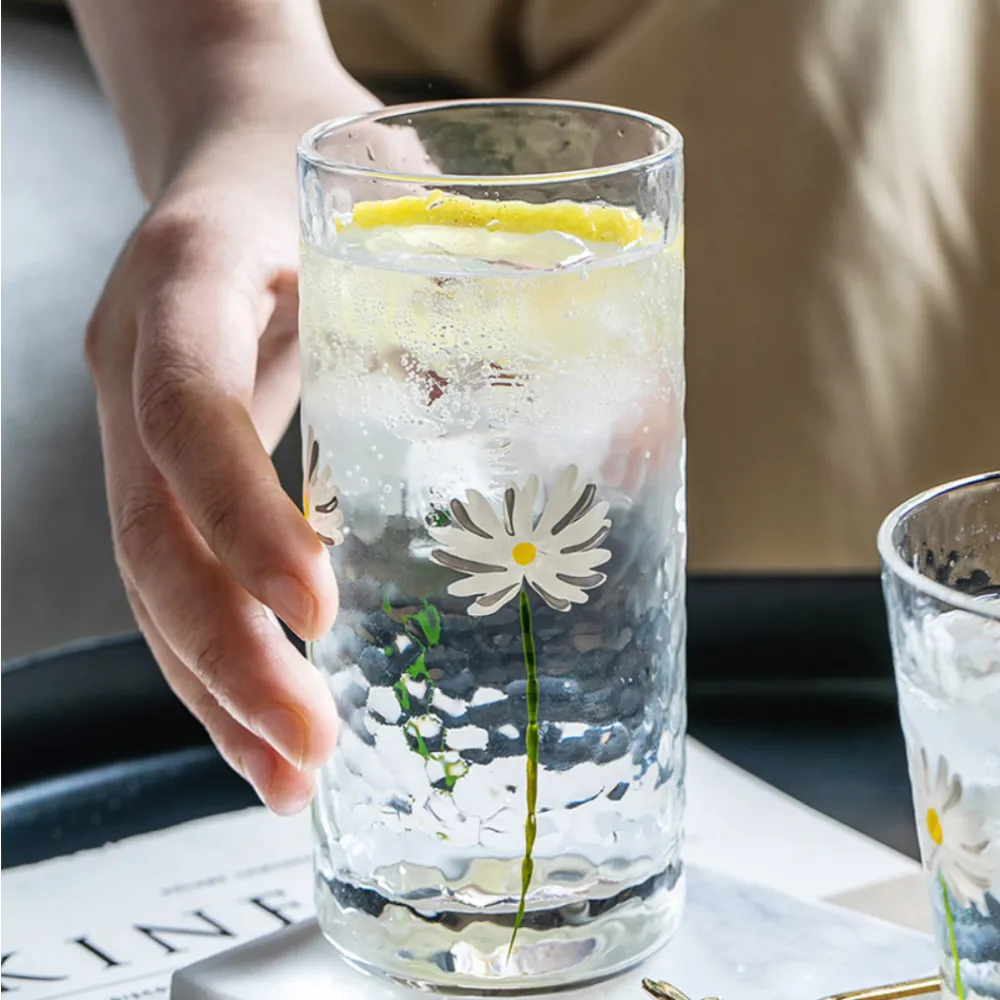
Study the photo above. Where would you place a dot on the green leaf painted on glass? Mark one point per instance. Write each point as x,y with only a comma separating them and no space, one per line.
418,670
402,694
421,747
453,770
429,620
426,635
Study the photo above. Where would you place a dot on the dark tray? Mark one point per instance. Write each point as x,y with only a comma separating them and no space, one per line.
789,677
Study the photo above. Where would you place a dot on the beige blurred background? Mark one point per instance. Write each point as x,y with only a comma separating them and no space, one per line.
843,242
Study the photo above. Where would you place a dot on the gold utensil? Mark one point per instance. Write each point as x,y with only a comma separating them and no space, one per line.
895,991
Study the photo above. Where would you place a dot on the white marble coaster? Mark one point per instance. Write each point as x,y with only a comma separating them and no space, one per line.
737,940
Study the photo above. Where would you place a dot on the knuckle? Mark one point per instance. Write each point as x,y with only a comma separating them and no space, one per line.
109,336
163,405
163,238
166,242
209,665
138,522
205,708
220,523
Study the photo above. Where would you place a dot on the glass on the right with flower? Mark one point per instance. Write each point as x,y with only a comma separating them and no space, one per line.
941,577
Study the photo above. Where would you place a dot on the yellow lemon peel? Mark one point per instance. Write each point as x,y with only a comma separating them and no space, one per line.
597,223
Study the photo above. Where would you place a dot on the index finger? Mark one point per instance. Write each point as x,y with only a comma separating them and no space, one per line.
196,357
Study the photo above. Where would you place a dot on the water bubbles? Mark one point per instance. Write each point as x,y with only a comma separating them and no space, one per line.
538,324
576,358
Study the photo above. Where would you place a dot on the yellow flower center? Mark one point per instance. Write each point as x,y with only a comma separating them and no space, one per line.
524,553
934,826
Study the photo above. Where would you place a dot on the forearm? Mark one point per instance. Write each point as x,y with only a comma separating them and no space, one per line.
176,70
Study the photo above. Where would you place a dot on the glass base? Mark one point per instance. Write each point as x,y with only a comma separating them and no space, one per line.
465,951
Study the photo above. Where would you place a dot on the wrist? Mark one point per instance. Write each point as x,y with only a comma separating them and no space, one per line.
178,73
270,96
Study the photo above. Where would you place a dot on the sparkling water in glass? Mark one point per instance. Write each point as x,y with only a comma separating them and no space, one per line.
941,575
492,337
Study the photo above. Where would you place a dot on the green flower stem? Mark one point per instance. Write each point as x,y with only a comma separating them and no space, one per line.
531,747
959,988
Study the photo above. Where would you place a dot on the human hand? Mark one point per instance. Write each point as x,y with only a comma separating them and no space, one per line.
194,355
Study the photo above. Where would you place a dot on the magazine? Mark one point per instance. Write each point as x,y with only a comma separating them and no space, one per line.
114,923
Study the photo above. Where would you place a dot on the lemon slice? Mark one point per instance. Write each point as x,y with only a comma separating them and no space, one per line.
421,277
595,223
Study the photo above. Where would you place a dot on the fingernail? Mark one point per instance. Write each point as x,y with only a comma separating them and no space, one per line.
295,803
293,602
257,766
272,618
285,730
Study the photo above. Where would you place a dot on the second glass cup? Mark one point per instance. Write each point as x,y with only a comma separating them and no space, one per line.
941,575
492,338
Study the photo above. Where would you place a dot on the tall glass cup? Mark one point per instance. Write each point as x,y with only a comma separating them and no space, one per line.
491,327
941,576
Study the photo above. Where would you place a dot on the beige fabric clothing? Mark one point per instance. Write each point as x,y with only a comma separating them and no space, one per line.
842,237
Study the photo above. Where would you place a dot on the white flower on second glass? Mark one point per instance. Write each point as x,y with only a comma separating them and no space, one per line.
557,557
953,838
320,499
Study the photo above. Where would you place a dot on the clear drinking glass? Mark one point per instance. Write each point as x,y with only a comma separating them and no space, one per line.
941,575
492,333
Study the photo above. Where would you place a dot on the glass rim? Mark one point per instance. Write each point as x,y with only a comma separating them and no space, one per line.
309,152
894,563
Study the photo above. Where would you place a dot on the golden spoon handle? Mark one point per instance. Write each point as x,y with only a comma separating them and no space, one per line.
664,991
896,991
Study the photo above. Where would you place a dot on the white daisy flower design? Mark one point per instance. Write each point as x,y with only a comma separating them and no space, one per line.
320,499
557,557
952,839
